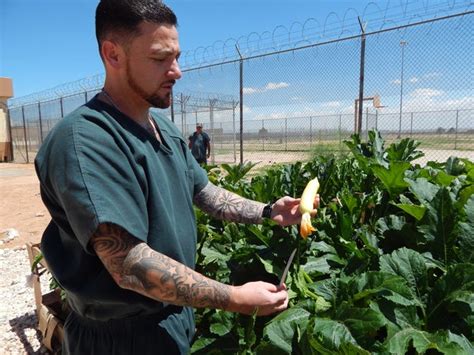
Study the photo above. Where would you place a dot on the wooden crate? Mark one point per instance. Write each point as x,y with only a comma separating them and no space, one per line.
49,306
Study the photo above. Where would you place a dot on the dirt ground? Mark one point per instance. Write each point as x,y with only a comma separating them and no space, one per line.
21,207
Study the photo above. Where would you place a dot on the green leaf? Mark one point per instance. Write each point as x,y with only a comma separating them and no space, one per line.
282,329
363,323
439,225
451,294
268,266
444,342
393,177
201,344
405,150
376,284
211,255
423,189
222,323
410,265
413,210
444,179
327,336
317,265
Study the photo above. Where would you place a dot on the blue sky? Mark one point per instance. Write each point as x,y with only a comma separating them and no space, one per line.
48,43
45,43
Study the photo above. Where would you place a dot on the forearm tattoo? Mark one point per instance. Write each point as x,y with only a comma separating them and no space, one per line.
226,205
137,267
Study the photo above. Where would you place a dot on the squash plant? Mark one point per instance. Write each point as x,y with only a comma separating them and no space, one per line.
388,271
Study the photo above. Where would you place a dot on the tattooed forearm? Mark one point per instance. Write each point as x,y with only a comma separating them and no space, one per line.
227,205
137,267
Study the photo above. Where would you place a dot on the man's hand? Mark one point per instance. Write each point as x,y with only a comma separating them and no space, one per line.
263,297
286,210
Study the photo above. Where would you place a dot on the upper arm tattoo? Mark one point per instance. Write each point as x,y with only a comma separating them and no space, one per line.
223,204
135,266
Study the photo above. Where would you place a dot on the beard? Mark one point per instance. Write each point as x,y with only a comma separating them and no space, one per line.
155,100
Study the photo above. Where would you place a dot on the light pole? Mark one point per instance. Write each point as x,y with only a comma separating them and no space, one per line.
402,45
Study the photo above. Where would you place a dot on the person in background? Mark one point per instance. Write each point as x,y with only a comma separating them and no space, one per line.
199,143
119,183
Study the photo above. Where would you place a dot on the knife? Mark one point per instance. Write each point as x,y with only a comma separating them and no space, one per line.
287,267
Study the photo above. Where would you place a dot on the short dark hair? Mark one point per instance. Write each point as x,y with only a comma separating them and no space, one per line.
122,17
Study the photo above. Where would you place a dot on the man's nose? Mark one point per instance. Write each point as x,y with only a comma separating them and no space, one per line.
175,71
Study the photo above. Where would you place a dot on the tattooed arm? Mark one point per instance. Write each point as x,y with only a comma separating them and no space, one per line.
223,204
135,266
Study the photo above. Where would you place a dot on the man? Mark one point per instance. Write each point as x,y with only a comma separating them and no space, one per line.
199,143
120,185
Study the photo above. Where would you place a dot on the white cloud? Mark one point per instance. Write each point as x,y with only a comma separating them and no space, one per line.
331,104
297,98
276,86
269,86
250,90
413,80
426,93
396,82
433,75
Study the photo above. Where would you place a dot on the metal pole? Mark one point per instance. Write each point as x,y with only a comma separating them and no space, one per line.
340,132
172,106
263,135
61,107
24,133
241,105
40,122
233,130
366,123
361,77
402,44
456,132
9,126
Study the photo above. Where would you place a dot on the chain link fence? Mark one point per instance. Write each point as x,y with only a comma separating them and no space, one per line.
290,104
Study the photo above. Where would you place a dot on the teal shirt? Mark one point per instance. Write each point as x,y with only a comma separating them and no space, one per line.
199,143
98,166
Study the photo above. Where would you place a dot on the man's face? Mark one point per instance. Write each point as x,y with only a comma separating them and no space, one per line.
152,63
199,129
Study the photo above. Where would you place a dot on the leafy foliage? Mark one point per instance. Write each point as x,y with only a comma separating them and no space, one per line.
388,271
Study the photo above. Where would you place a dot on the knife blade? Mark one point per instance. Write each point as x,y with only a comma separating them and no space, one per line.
287,267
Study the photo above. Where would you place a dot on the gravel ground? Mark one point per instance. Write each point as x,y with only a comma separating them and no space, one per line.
18,321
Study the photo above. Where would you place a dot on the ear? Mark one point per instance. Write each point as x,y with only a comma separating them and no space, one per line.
112,53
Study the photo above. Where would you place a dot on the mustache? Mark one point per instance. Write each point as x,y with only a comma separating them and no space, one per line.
169,82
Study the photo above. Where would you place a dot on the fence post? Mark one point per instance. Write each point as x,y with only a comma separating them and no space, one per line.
340,132
61,106
361,77
172,106
376,119
241,103
40,122
366,123
10,133
24,133
456,132
233,130
263,134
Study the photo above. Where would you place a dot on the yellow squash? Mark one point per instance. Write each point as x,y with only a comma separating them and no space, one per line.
306,206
